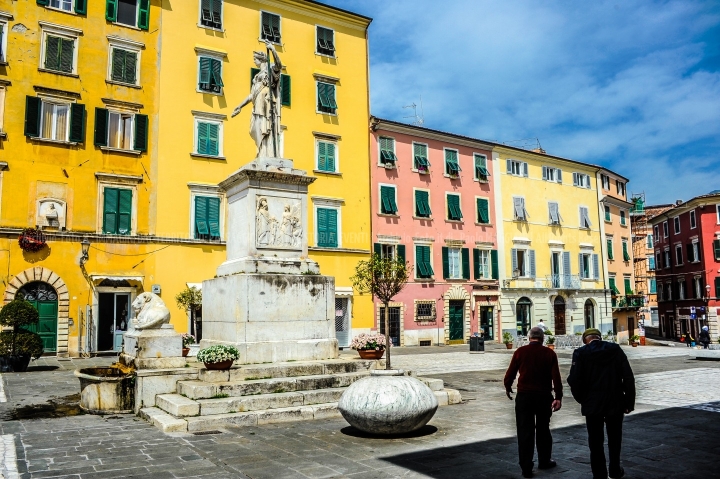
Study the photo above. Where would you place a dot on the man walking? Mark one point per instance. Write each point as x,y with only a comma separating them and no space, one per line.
534,404
602,381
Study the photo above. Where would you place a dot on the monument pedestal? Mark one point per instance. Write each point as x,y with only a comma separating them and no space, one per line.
269,300
153,348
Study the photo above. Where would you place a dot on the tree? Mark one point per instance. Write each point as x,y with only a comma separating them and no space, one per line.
383,278
190,300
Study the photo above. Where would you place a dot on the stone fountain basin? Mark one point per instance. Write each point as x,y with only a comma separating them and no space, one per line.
106,390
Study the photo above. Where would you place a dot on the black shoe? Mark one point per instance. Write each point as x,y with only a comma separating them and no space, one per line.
618,475
547,465
527,473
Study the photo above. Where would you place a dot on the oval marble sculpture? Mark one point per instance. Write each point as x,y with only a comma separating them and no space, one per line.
388,402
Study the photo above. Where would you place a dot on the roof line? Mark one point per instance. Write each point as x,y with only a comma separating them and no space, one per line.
320,4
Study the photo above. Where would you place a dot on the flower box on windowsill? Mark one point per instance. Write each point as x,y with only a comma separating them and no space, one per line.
389,165
423,171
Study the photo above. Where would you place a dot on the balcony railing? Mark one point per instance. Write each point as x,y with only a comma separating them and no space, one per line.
628,301
563,281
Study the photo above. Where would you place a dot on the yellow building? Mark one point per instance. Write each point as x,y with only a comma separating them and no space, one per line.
94,161
548,227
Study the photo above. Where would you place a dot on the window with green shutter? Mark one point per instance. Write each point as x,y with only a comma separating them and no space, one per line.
424,264
717,288
211,13
59,53
326,160
613,287
325,41
452,166
483,211
210,75
422,204
208,138
453,208
653,286
626,254
481,171
117,211
607,213
420,157
327,228
628,286
207,217
610,253
388,206
326,97
387,151
270,27
124,66
134,13
285,89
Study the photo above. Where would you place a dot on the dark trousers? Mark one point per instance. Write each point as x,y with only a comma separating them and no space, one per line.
532,414
596,425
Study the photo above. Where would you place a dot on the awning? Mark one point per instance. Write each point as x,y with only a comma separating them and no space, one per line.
343,291
99,278
197,286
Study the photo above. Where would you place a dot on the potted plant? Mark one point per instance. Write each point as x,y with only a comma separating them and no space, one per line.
507,339
634,340
187,339
219,356
369,346
31,240
550,341
18,346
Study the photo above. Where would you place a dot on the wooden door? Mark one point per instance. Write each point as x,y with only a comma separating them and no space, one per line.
43,298
456,321
560,318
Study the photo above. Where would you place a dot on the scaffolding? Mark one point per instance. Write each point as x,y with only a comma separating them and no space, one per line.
640,230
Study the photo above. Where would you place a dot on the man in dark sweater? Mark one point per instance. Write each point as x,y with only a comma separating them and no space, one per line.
534,404
602,381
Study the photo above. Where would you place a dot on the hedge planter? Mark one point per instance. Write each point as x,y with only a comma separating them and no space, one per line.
17,363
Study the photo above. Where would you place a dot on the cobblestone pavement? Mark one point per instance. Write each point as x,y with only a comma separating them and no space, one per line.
672,434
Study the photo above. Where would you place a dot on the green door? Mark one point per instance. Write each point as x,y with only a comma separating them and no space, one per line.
43,298
457,309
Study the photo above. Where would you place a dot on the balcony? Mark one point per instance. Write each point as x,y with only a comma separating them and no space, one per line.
563,281
630,301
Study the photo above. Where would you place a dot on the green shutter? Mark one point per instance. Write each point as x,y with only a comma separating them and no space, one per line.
377,249
253,72
143,21
327,227
33,106
118,64
216,69
626,255
66,55
141,132
202,138
332,228
201,217
716,249
213,210
124,211
322,156
330,91
77,122
43,2
717,287
130,73
494,264
476,263
483,211
330,157
205,71
428,262
52,53
628,286
81,7
446,262
387,198
610,249
111,10
110,211
401,252
213,139
465,256
102,117
421,271
454,211
422,206
285,89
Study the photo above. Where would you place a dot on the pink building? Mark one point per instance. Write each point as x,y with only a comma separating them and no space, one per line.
433,203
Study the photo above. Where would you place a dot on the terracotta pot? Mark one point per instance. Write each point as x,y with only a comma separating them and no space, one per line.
371,353
634,345
185,351
509,345
551,346
219,366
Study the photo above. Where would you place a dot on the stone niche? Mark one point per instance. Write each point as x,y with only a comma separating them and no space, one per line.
50,213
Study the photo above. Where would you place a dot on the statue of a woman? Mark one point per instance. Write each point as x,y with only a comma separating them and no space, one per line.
265,96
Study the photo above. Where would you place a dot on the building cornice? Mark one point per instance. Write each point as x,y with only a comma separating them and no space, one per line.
612,200
321,11
78,236
430,135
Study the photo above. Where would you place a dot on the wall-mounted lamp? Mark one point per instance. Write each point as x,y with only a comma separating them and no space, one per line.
707,288
85,244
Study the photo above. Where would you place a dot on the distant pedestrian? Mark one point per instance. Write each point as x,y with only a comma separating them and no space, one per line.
542,326
688,340
704,337
534,404
602,381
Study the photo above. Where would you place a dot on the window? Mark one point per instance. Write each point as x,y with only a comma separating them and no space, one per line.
117,211
605,182
620,186
134,13
59,53
626,253
326,156
388,205
54,120
211,13
387,152
210,74
65,5
653,286
610,253
517,168
554,211
697,287
325,41
657,233
651,262
658,261
552,174
454,212
423,262
420,158
425,310
481,171
694,252
678,255
326,98
3,41
660,292
483,211
717,287
693,220
584,218
121,130
676,224
208,137
667,258
628,285
649,240
207,217
452,167
482,263
422,204
681,289
285,86
717,211
124,66
623,218
665,229
523,263
585,263
454,263
327,227
581,180
613,287
387,251
270,27
716,249
519,211
607,213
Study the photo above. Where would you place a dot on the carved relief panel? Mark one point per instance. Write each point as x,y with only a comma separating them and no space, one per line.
278,223
50,213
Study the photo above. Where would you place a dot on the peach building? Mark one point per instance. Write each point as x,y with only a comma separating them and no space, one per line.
432,196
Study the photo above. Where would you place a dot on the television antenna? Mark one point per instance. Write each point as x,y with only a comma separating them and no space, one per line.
418,120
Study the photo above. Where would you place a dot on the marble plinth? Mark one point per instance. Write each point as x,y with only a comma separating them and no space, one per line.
153,348
388,402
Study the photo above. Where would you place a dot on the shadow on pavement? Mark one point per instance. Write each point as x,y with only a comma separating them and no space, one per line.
423,431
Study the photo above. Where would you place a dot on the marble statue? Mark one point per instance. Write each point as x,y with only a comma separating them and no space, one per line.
265,98
150,312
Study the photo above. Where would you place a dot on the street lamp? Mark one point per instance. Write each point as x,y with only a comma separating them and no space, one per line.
85,244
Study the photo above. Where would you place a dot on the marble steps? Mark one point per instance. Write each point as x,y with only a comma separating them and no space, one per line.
287,370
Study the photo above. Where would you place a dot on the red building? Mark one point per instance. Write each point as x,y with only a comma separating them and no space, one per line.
687,259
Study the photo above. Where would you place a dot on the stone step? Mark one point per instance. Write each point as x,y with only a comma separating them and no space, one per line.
286,370
215,390
166,422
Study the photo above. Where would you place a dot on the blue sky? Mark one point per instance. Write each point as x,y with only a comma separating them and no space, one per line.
634,86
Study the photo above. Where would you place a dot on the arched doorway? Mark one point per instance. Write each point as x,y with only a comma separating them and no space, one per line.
560,316
589,314
523,315
44,298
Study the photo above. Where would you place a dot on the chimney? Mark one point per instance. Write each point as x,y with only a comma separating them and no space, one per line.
678,202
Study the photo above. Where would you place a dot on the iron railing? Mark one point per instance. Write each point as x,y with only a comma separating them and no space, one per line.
628,301
563,281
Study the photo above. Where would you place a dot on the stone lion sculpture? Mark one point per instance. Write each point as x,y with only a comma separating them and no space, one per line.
150,312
